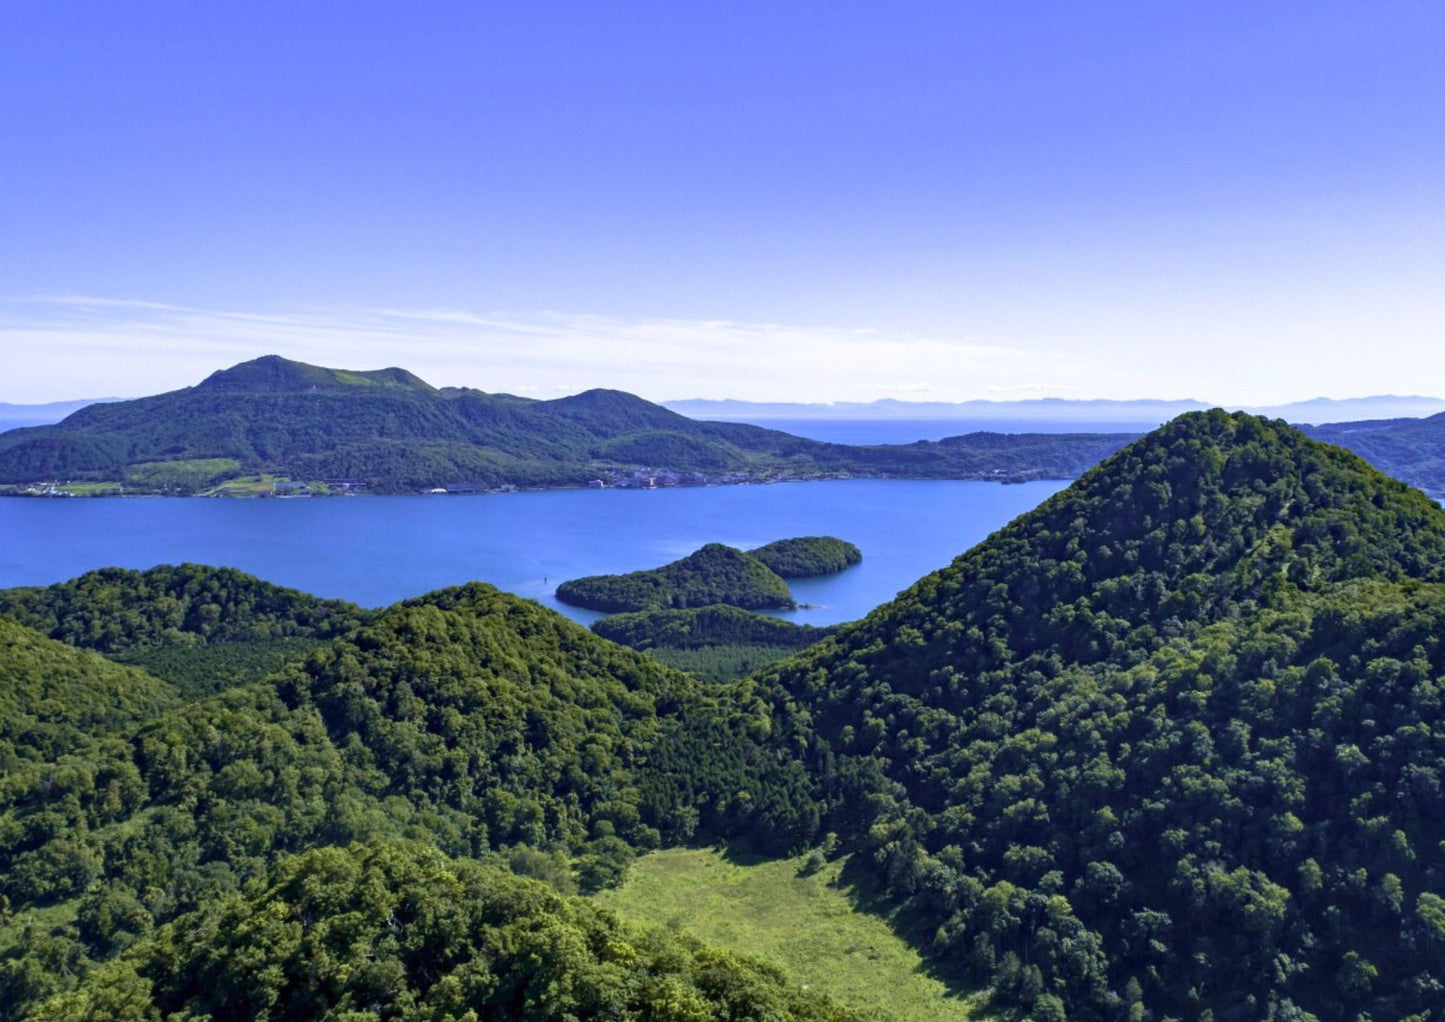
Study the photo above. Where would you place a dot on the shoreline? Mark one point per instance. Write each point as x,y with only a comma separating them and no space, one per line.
1010,480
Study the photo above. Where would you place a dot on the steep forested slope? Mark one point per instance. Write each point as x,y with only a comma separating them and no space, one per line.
391,431
1168,745
53,696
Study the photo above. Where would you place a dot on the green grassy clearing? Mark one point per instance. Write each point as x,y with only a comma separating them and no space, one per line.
807,925
190,474
245,486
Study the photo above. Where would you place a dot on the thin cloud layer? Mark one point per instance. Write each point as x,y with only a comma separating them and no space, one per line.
68,346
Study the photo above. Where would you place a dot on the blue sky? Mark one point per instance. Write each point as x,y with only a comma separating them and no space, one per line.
1241,202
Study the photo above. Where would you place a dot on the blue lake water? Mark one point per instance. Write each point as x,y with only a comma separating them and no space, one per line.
376,550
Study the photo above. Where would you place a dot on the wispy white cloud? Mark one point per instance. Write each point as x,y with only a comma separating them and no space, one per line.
75,345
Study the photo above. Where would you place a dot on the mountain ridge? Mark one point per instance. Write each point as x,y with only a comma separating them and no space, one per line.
1116,758
389,431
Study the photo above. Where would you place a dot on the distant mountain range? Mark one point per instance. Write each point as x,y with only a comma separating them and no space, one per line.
1146,413
388,430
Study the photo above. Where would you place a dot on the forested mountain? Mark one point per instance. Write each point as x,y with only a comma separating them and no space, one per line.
1168,746
390,431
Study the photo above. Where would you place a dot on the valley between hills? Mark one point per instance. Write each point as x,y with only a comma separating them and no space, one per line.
1168,746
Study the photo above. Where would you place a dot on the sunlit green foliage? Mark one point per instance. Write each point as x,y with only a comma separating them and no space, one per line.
118,611
470,720
53,696
714,574
181,476
393,931
1167,747
806,556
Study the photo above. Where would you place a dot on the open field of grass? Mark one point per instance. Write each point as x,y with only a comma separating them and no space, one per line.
192,474
806,924
245,486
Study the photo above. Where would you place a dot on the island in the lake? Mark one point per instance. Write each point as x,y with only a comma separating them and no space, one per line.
752,580
698,612
275,427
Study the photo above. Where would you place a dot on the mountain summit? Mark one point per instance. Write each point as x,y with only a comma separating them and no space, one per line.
272,374
1168,744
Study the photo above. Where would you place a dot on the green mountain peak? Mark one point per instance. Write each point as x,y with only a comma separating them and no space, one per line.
272,374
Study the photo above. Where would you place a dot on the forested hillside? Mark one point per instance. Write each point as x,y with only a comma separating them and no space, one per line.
1169,746
469,720
389,431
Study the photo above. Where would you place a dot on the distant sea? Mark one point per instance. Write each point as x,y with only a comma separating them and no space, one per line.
906,431
377,550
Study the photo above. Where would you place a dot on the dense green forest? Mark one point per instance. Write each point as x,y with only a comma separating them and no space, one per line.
807,556
1167,747
400,931
711,575
389,431
469,720
714,643
120,611
714,625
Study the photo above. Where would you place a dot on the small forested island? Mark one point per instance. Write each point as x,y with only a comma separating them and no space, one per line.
716,574
1168,746
808,556
274,427
713,574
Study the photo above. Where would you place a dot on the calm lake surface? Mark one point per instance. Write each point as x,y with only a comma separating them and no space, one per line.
377,550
